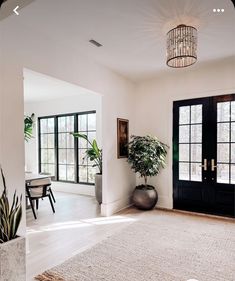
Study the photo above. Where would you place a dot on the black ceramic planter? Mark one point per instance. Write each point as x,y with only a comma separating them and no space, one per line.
145,198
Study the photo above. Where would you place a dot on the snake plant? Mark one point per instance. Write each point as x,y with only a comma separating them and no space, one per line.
10,214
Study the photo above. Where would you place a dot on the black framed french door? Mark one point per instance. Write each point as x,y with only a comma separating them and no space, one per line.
204,155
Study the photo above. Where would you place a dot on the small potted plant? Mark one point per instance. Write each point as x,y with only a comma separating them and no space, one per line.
28,127
147,155
94,154
12,247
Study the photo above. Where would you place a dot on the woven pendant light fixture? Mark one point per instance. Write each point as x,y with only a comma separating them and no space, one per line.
181,46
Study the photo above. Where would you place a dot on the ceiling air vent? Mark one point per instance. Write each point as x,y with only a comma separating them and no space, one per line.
95,43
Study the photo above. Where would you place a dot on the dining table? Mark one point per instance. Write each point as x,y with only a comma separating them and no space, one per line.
33,176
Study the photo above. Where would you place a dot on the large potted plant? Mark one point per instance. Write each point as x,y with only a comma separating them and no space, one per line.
147,156
12,247
94,154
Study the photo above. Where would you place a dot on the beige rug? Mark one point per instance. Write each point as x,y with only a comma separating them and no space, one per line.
162,246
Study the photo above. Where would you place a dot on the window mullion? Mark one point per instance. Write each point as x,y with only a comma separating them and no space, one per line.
76,147
56,148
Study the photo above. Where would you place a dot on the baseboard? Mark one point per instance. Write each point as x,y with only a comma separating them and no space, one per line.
164,202
201,214
108,209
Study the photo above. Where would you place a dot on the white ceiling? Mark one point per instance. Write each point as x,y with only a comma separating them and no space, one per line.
39,87
133,32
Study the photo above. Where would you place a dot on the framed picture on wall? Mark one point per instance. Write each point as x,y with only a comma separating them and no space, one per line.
122,137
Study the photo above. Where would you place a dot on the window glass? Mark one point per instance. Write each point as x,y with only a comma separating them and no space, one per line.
87,126
57,149
47,144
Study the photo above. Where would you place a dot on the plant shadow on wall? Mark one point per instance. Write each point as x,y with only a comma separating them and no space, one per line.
94,154
147,155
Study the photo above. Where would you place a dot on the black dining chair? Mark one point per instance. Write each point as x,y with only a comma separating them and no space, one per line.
50,190
39,189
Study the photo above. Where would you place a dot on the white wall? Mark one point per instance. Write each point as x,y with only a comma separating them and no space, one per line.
155,103
22,48
79,102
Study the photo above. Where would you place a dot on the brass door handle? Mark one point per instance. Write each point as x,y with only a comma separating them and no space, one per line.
204,166
213,166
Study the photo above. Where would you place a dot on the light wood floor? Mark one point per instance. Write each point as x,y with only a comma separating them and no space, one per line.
76,226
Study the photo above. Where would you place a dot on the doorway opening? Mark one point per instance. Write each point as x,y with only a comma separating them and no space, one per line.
53,154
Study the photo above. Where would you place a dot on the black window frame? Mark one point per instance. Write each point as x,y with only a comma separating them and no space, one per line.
56,148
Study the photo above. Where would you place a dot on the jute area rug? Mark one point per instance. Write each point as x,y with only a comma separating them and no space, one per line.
160,246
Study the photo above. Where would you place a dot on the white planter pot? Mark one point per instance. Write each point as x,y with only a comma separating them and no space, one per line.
98,188
13,260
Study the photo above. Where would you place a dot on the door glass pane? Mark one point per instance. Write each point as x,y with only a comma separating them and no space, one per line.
184,115
225,139
223,132
233,174
196,133
184,152
233,132
183,171
184,134
190,142
223,111
223,173
233,153
196,113
196,152
223,153
196,172
233,111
